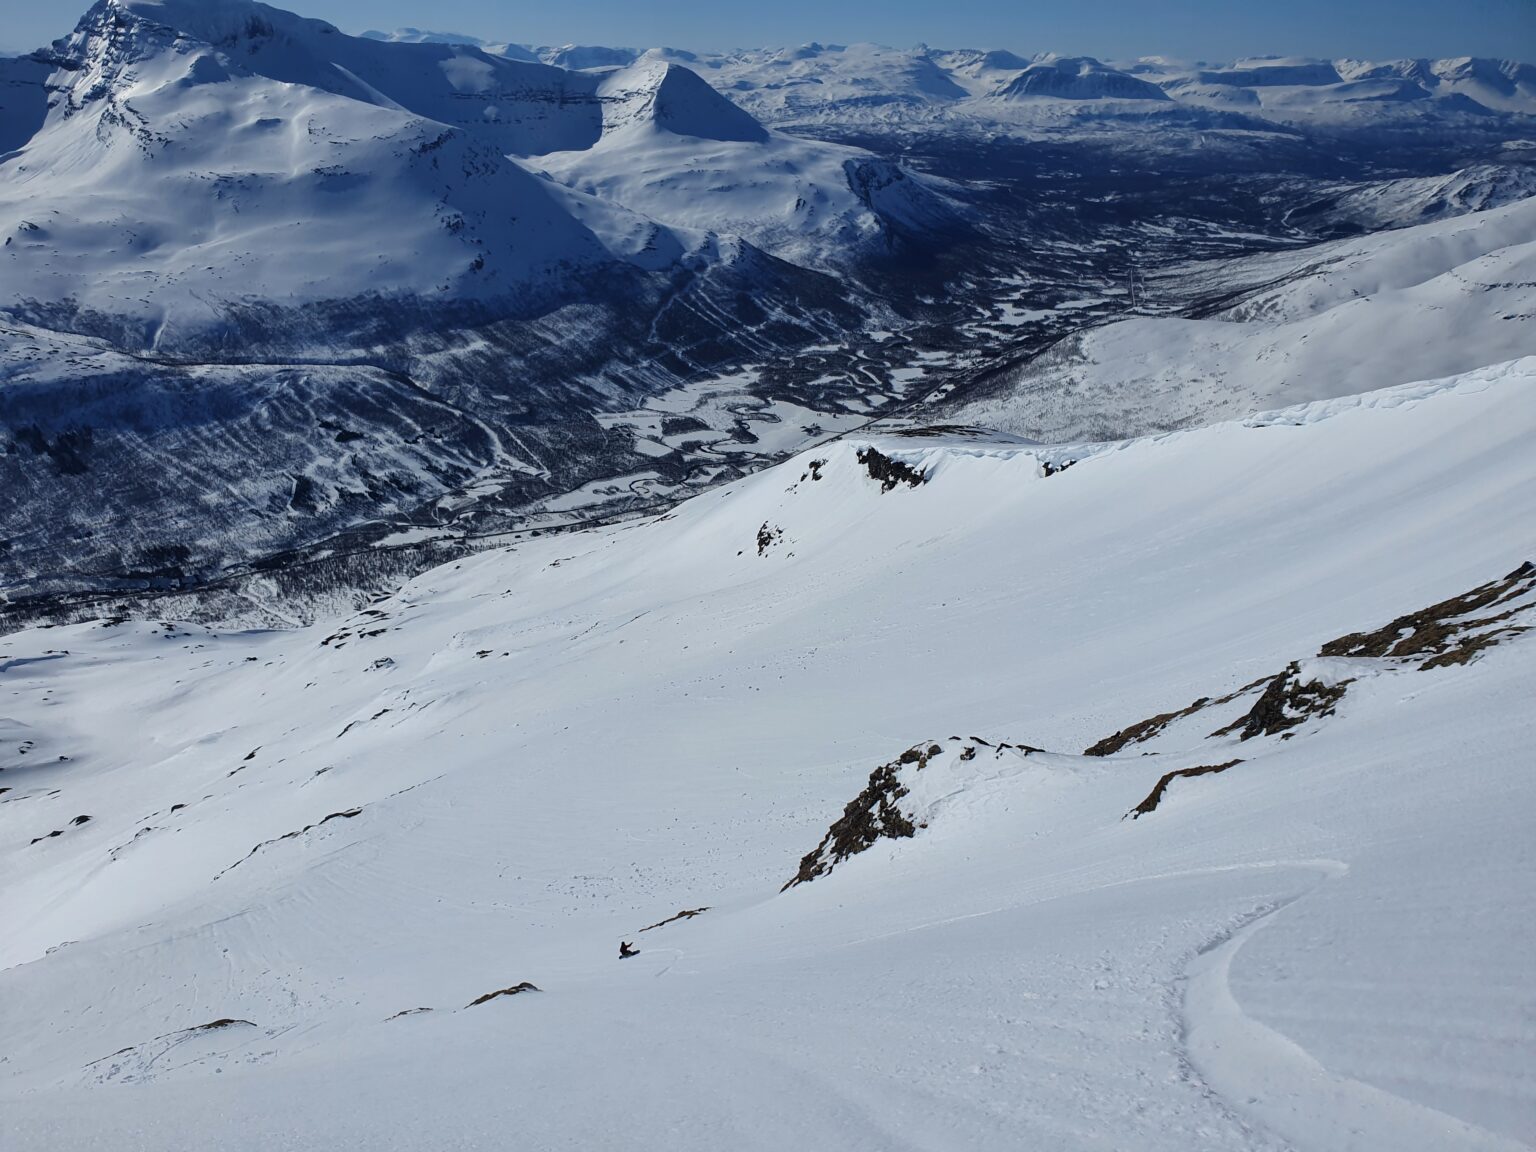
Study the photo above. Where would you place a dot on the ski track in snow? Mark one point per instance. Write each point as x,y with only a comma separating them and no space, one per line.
1267,1078
1260,1075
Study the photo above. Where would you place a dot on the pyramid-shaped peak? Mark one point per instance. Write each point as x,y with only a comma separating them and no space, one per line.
674,99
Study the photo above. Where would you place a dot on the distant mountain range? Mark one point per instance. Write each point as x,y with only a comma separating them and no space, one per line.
276,299
830,76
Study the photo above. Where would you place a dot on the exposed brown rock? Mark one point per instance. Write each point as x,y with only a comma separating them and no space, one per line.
686,914
515,990
887,471
1285,704
1156,795
874,814
1145,730
1441,631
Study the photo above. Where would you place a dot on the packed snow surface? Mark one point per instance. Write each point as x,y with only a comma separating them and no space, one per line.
286,889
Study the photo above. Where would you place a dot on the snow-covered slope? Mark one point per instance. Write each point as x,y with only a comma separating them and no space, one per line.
580,56
1418,200
1503,85
674,150
1329,321
262,889
519,106
1298,90
172,180
667,97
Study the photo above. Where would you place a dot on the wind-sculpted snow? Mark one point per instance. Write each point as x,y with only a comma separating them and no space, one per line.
433,821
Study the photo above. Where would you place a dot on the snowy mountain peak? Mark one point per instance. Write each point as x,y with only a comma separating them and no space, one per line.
1268,71
423,36
582,56
674,99
1001,61
221,22
507,102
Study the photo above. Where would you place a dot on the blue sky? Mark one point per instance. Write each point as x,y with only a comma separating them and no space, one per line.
1208,29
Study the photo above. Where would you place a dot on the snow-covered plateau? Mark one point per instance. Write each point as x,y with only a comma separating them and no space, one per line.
844,598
